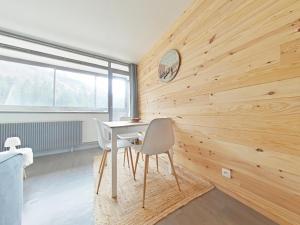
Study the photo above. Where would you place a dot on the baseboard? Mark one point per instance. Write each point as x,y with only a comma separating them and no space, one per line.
86,145
83,146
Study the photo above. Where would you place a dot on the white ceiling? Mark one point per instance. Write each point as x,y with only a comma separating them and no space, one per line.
121,29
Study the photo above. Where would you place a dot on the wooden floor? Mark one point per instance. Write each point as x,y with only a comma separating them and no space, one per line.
215,208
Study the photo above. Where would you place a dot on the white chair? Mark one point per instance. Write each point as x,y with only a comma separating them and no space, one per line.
159,138
12,143
105,144
132,137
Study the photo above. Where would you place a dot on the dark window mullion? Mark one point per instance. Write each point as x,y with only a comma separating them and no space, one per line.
54,88
110,97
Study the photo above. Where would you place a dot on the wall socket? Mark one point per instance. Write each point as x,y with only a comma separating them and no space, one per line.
226,173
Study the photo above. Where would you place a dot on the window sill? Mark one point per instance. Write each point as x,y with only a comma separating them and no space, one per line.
17,109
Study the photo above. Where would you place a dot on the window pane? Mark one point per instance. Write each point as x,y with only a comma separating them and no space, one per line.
119,67
74,89
121,96
25,85
102,93
49,61
50,50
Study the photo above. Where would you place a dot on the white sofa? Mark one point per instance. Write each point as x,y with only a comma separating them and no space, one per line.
11,188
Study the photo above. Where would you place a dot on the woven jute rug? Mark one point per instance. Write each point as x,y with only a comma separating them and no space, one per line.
162,194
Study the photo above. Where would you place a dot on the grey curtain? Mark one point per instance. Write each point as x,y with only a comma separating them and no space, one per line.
133,91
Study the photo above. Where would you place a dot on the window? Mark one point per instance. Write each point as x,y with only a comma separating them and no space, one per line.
29,85
27,57
45,49
120,67
40,76
121,96
22,84
102,93
74,89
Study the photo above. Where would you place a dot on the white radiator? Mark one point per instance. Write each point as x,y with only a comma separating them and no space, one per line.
44,137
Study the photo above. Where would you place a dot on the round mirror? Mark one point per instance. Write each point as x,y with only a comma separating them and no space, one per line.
169,66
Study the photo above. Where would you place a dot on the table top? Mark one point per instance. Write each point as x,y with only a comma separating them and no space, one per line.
114,124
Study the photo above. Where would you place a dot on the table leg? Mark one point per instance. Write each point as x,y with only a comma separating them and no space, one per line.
114,151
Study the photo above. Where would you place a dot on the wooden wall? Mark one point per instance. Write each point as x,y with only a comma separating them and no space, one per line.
236,99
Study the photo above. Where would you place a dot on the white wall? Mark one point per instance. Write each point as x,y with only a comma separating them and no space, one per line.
88,129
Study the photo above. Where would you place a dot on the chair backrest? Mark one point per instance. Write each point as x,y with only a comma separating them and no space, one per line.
159,137
125,118
100,134
12,142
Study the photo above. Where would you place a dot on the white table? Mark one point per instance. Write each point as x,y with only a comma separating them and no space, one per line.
116,128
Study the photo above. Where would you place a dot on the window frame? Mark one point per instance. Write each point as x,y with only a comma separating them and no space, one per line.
56,109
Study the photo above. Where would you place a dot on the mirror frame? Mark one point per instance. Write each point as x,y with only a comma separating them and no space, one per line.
167,74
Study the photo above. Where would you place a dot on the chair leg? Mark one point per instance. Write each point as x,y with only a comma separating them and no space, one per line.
136,162
145,178
173,170
125,151
157,162
101,161
131,160
127,155
102,169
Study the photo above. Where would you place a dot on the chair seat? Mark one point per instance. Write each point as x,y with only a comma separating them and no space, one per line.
129,136
27,155
138,148
120,144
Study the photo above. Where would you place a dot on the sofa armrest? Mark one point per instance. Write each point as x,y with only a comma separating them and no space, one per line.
11,188
4,156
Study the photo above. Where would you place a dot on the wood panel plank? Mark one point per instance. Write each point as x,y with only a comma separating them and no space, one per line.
190,106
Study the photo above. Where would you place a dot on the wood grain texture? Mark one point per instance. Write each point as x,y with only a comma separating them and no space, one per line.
235,100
